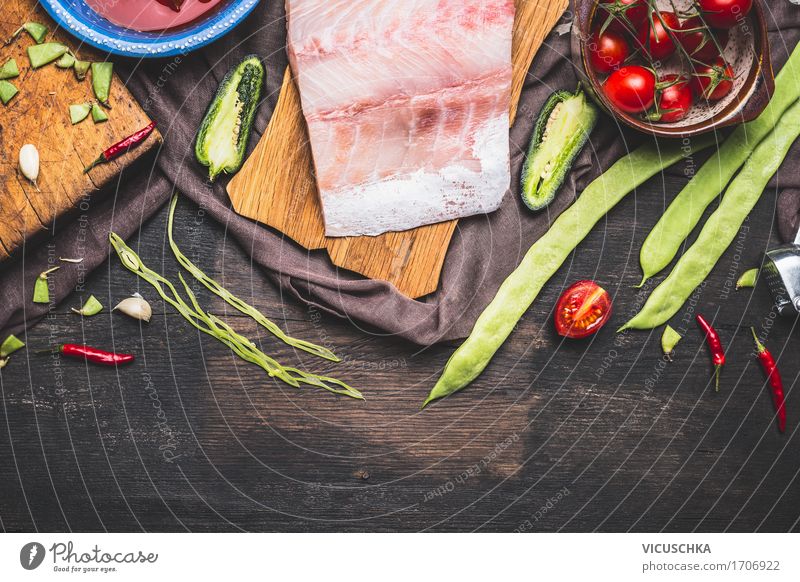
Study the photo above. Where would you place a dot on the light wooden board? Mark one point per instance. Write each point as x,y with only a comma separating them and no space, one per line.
39,114
276,186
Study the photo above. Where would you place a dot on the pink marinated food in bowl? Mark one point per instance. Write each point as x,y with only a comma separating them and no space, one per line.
153,15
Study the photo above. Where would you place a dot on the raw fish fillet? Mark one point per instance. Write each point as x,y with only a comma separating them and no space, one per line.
407,105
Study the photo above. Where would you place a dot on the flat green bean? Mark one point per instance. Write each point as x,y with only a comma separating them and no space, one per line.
685,212
722,226
521,288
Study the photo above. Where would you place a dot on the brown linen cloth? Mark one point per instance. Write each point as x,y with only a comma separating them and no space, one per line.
484,250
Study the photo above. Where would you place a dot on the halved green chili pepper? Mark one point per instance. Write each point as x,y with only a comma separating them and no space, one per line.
688,207
10,345
669,339
41,290
98,114
7,92
44,54
81,68
9,70
79,112
37,31
102,75
67,61
90,308
748,279
722,226
547,254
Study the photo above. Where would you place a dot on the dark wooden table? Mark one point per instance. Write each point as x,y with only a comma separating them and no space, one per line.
571,436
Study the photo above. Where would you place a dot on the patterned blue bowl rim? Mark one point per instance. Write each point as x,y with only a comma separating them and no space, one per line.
129,43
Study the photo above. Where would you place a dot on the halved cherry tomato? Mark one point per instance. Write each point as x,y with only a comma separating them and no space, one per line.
631,88
607,51
700,41
675,99
582,310
725,13
656,40
713,82
621,15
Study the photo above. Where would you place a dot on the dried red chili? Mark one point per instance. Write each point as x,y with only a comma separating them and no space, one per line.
94,355
123,146
714,344
775,381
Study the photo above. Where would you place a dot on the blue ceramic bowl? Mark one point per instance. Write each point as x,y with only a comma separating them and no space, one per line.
76,17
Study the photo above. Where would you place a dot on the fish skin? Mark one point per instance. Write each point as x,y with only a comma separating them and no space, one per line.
407,106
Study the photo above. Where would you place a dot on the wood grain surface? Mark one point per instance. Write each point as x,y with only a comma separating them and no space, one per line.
39,114
276,186
191,438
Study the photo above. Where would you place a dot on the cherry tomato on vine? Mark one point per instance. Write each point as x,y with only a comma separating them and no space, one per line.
582,310
725,13
656,39
631,88
621,15
607,51
674,101
702,43
713,82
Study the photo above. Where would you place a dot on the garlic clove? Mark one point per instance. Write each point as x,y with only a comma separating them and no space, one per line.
29,162
135,307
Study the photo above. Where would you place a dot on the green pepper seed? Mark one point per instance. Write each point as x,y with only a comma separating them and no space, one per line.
722,226
79,112
102,75
81,68
544,258
9,70
44,54
90,308
7,92
98,114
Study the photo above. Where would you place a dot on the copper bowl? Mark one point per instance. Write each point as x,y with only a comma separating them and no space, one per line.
747,51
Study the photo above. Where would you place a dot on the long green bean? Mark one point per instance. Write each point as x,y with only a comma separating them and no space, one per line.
686,210
544,258
722,226
239,304
213,326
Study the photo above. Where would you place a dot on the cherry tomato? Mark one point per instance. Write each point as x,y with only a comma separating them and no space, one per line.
713,82
675,99
700,41
631,88
656,39
725,13
607,51
622,15
582,310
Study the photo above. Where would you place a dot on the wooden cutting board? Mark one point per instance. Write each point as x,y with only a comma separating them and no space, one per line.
276,185
39,114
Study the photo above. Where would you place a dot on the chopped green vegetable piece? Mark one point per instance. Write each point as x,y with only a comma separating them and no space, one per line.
669,339
7,92
102,74
98,114
66,61
564,125
223,135
37,31
748,279
91,307
44,54
9,70
81,68
79,112
41,290
10,345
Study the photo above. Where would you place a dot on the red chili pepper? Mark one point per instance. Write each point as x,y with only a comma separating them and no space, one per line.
123,146
94,355
714,344
775,381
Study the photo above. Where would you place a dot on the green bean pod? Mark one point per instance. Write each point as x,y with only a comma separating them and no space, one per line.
686,210
521,288
722,226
